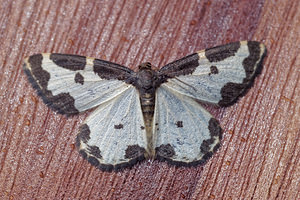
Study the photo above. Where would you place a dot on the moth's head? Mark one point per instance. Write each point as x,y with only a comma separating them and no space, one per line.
144,66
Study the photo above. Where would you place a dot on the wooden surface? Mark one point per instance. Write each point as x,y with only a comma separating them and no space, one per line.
260,153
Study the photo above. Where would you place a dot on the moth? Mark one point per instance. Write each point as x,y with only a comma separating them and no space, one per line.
148,113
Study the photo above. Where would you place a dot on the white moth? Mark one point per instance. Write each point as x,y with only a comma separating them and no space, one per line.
147,114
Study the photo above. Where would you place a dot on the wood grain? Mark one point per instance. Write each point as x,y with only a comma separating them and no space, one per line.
260,153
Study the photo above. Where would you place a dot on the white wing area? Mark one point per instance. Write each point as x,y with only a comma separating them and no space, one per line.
182,129
91,92
206,86
116,130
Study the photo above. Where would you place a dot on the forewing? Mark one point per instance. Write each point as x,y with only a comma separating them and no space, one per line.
218,75
184,132
113,136
70,83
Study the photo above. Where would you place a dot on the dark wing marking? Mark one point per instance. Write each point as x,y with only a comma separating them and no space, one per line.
108,70
183,66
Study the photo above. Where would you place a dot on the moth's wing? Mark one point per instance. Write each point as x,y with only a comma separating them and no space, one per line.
184,132
218,75
113,136
70,83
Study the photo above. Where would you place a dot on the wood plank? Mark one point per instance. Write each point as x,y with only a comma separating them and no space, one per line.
259,157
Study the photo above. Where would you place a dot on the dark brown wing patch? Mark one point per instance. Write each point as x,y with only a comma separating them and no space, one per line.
222,52
253,66
71,62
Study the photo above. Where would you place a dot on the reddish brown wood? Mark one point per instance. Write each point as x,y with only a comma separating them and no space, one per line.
259,158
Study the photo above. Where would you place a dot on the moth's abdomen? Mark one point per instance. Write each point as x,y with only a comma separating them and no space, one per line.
148,104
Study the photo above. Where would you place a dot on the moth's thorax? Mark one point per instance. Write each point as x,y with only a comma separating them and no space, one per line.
145,78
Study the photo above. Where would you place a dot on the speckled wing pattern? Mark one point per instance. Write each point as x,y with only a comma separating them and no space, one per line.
182,131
